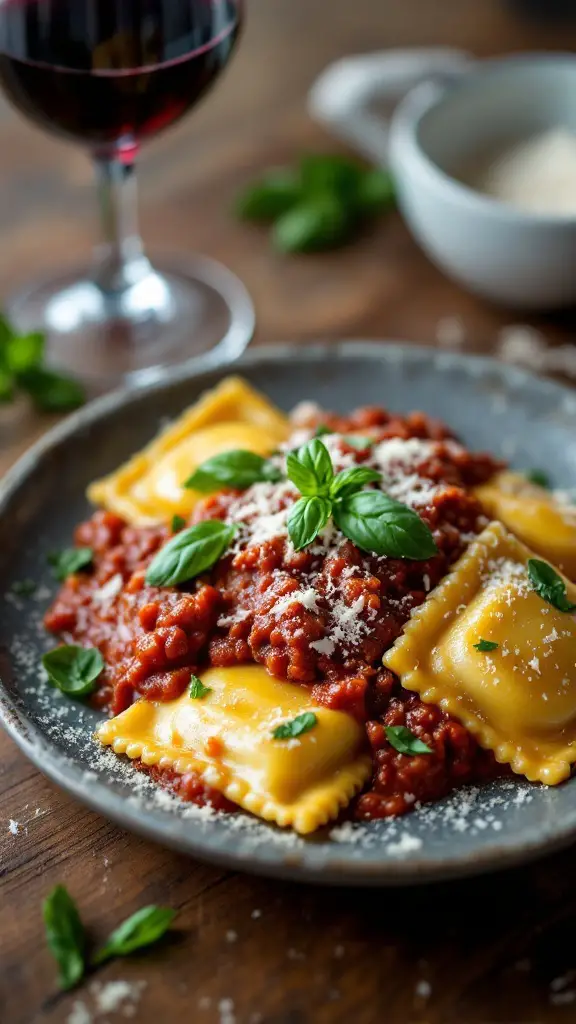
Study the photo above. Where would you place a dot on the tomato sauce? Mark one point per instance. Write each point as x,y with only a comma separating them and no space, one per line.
153,639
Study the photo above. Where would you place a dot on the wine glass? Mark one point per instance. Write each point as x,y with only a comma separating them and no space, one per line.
111,74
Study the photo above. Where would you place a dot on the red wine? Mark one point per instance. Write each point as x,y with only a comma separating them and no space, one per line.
110,73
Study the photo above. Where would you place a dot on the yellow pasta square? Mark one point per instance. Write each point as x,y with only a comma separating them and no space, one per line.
148,489
519,698
227,737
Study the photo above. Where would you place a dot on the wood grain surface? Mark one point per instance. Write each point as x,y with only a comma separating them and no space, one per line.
497,950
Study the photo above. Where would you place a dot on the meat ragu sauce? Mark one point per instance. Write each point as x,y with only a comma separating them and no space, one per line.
152,639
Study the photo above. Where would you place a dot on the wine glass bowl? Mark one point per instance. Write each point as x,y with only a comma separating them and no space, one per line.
110,75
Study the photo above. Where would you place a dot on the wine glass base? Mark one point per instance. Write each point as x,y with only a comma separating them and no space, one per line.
191,312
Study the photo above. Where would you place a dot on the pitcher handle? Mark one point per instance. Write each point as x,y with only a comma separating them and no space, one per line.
342,97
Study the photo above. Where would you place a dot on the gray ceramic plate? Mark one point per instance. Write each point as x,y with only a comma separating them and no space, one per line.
530,422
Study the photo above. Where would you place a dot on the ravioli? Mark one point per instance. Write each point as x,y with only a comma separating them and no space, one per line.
226,737
518,699
534,515
148,489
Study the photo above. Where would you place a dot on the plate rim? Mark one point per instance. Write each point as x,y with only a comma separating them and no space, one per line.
288,864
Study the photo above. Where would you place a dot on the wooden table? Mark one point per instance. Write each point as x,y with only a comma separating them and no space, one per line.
250,950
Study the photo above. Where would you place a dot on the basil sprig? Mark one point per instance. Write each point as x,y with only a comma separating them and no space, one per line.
405,741
22,369
549,585
371,519
189,553
238,469
485,645
290,730
197,689
74,670
143,928
66,936
71,560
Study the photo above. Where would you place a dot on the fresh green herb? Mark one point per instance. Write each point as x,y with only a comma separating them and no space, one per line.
238,469
71,560
320,205
22,369
485,645
197,689
351,480
142,929
268,199
538,477
178,523
74,670
358,441
24,588
189,553
377,523
372,520
404,741
322,430
549,585
65,936
310,468
289,730
307,518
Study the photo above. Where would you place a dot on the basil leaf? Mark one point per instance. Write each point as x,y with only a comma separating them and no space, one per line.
377,523
24,352
538,477
358,442
485,645
238,469
65,936
310,468
197,689
336,175
271,197
549,585
51,392
313,225
404,741
351,480
306,518
6,385
74,670
178,522
289,730
375,192
143,928
189,553
71,560
322,430
24,588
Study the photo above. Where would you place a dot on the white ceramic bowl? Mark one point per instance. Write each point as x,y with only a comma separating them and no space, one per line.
460,109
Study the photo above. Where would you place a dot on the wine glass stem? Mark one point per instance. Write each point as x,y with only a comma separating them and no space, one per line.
120,260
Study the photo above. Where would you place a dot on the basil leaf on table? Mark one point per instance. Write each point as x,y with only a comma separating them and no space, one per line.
143,928
351,480
71,560
24,352
189,553
485,645
322,173
378,524
6,385
197,690
404,741
549,585
310,468
306,518
375,192
238,469
51,392
74,670
315,224
269,198
301,724
65,936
